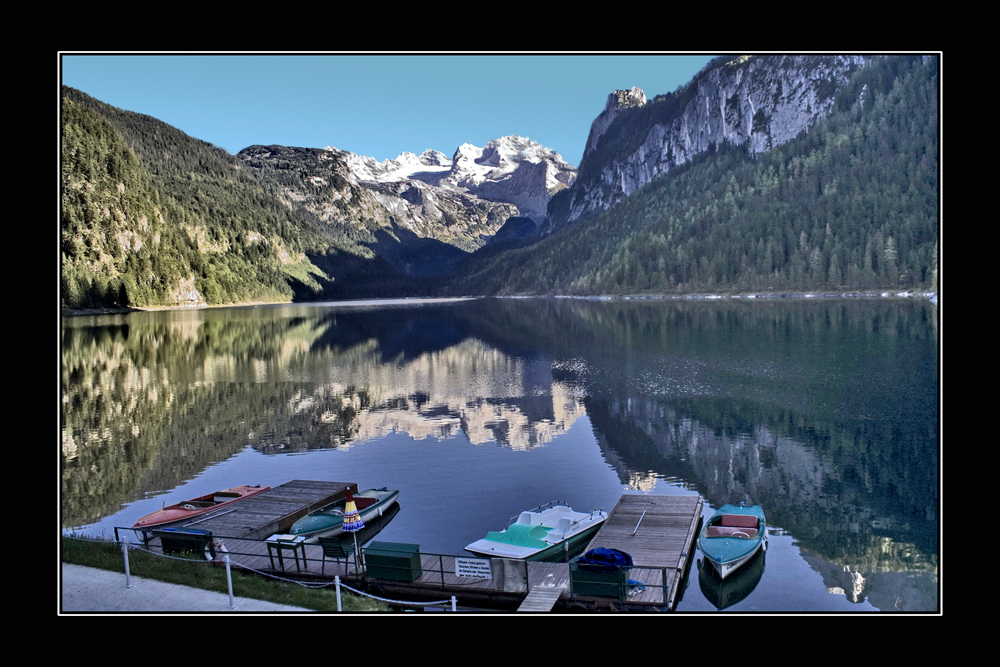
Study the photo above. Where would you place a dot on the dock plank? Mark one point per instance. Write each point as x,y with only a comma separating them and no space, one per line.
652,529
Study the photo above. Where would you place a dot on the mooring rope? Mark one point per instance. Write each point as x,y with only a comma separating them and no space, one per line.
375,597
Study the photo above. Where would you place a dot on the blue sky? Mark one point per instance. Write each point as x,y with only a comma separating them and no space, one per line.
377,105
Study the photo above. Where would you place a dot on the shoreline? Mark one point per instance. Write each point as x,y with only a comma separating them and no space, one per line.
932,296
875,294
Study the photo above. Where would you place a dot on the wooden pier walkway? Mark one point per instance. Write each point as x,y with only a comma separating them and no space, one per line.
659,532
273,511
543,597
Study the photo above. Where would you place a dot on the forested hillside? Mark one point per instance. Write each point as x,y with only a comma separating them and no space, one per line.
116,249
851,205
151,216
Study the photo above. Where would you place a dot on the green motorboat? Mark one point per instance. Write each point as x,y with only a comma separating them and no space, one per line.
328,521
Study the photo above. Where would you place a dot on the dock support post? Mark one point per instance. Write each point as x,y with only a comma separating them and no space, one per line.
128,583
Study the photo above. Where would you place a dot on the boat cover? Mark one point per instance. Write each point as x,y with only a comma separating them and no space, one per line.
605,560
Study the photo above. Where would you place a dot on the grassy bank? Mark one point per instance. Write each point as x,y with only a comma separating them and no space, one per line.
199,573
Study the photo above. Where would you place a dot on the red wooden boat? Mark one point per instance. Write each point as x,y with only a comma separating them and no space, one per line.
189,509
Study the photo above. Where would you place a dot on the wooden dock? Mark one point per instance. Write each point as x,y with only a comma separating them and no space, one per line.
659,532
273,511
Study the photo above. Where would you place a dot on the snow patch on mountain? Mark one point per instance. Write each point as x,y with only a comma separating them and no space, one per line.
404,167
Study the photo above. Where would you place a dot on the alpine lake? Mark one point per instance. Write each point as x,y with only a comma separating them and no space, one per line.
824,411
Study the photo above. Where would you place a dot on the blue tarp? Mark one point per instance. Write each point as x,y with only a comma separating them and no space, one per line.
605,560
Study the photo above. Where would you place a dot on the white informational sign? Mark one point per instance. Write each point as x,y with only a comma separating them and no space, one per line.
473,567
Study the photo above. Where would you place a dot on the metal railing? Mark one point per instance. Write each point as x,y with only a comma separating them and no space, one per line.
433,571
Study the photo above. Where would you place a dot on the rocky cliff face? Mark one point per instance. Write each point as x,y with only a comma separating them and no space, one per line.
756,101
398,206
617,102
317,182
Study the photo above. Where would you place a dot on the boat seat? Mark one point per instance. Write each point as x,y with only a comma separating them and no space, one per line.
529,518
725,531
363,502
559,531
739,520
197,504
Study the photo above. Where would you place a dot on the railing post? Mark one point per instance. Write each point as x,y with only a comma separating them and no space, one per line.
336,580
128,583
454,603
229,574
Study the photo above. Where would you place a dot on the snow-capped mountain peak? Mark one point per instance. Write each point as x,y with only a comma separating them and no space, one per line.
491,172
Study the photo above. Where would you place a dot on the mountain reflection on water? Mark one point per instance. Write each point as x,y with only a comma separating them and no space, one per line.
822,411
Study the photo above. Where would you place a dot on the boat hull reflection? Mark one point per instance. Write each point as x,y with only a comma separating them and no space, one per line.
374,527
724,593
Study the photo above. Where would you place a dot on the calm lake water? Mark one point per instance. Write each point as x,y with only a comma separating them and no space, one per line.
823,411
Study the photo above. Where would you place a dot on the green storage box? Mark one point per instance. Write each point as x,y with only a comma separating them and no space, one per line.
585,581
393,560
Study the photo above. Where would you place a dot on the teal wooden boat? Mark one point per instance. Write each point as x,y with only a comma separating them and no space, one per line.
545,533
328,521
732,536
